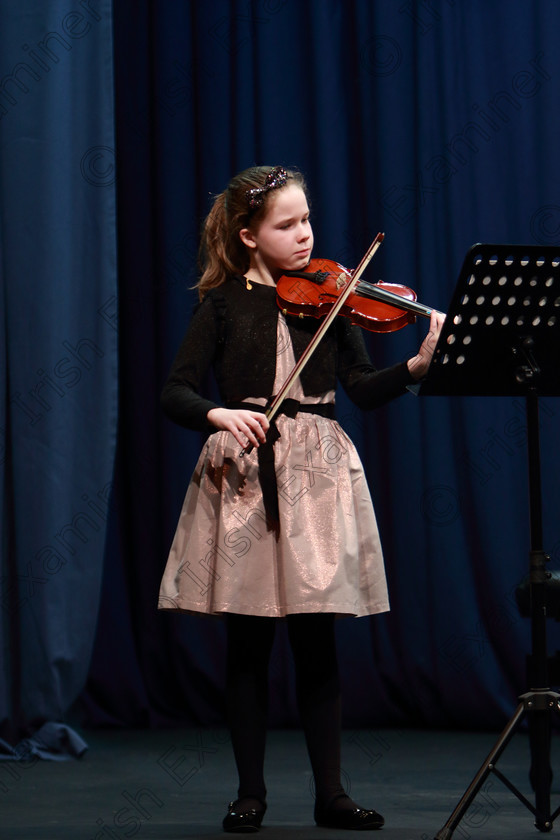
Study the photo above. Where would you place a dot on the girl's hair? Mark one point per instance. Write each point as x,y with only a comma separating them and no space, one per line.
241,205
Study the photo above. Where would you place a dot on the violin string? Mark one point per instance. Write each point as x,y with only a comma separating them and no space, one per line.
369,290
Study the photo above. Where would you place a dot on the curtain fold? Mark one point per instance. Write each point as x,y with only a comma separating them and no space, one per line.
59,348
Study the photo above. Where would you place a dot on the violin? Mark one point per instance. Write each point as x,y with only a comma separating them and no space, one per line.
326,288
378,307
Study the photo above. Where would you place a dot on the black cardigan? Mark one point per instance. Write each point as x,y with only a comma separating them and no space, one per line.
234,331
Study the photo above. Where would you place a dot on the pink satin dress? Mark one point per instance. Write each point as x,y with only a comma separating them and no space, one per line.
326,555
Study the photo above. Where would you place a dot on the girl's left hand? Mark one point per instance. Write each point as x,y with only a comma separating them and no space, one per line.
419,364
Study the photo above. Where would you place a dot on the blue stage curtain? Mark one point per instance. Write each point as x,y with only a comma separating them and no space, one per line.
59,353
436,123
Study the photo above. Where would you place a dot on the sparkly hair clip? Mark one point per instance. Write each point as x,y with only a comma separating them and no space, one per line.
277,177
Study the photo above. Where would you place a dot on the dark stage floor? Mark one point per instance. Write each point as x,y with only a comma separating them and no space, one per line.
176,784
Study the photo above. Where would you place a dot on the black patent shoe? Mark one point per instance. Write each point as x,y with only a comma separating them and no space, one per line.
243,821
353,819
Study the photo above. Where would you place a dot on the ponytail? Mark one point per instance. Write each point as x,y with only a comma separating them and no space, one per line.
215,249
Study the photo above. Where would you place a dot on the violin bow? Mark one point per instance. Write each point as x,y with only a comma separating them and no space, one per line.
274,407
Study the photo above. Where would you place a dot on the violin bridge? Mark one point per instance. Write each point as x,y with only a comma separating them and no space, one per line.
341,281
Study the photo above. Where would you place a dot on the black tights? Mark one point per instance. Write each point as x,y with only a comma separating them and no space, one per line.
312,640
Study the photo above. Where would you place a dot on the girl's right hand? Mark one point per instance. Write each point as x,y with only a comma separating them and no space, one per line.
246,426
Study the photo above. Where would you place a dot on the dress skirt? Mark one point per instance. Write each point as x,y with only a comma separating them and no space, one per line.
325,556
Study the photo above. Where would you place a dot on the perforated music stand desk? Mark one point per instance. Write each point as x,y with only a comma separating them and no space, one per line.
501,337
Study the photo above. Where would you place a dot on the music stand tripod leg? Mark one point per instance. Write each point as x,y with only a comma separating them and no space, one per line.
486,768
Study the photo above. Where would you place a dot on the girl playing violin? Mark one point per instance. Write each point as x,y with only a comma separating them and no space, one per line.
287,529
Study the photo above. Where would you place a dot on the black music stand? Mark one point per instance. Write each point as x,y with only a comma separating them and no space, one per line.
502,338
